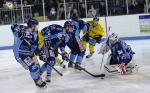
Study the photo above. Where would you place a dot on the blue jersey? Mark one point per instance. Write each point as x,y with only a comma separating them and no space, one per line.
73,42
121,52
25,41
53,33
79,25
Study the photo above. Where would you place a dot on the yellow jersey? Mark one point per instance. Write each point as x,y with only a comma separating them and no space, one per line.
95,31
40,40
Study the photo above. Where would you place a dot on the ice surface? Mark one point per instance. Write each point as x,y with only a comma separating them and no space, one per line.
14,79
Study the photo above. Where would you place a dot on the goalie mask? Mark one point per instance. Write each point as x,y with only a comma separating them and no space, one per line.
113,38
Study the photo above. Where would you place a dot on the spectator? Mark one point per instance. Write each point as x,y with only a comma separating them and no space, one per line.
82,9
50,4
69,7
25,3
102,9
91,12
15,4
61,13
1,4
74,14
111,4
69,12
141,6
148,6
52,15
38,7
133,7
59,4
118,9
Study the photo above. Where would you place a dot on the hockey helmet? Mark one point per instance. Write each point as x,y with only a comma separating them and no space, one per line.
95,19
81,24
113,38
31,22
68,24
75,17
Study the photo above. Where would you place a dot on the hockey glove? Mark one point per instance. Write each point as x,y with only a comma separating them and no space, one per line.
52,63
85,37
65,55
92,41
98,39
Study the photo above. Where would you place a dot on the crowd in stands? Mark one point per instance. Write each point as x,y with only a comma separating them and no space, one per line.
55,9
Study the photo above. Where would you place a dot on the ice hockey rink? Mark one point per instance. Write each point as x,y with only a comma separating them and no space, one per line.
14,79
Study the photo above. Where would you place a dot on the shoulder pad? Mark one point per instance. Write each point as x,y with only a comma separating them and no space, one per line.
13,26
60,29
45,31
81,24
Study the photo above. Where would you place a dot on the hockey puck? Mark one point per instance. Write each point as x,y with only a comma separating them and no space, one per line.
102,77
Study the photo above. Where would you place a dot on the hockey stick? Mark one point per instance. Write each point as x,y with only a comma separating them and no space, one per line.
102,62
55,69
100,75
49,63
113,72
46,60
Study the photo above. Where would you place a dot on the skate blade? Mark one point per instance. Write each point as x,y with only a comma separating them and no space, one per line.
42,87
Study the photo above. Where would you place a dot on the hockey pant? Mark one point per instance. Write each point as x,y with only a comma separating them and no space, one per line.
91,47
92,43
29,63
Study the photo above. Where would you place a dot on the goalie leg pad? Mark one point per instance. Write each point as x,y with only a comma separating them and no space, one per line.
111,69
132,68
115,69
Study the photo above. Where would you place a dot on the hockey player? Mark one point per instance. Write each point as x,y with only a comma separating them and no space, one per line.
25,47
93,36
54,36
74,43
120,57
79,24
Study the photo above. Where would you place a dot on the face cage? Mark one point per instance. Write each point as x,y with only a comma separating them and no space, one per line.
34,27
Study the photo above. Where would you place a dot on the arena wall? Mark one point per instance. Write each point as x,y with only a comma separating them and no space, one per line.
125,26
